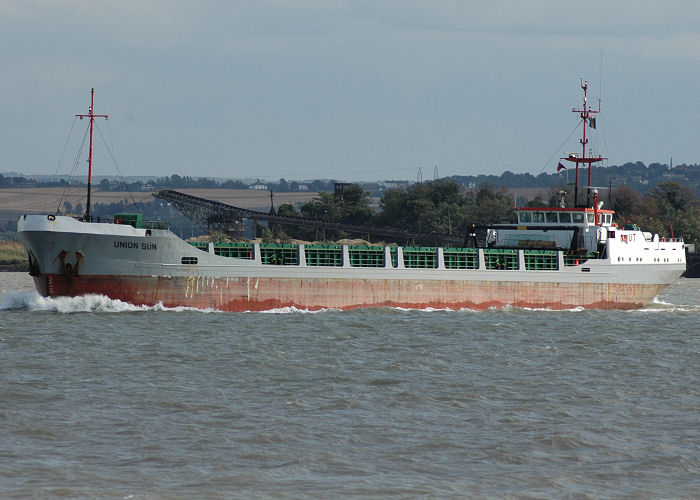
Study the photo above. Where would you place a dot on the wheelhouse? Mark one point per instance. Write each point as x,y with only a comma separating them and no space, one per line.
551,216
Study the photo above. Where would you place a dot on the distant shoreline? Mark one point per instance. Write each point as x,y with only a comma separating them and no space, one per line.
19,267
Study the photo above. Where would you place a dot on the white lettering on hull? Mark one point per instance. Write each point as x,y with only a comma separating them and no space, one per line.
136,246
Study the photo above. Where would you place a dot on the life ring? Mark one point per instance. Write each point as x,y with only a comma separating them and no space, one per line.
51,217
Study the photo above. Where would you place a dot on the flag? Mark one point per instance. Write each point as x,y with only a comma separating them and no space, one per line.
560,167
591,122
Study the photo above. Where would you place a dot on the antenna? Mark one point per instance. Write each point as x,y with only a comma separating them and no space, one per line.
587,115
91,114
436,173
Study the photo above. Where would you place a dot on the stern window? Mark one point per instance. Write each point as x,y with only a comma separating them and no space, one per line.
189,260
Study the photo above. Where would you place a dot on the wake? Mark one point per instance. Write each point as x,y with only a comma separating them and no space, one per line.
32,301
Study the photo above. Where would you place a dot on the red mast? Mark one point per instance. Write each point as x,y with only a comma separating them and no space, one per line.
92,116
588,118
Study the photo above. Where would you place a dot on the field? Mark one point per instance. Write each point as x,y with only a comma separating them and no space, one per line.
12,256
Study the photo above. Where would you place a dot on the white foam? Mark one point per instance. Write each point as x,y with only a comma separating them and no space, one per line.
293,310
549,309
668,308
659,305
425,309
660,302
32,301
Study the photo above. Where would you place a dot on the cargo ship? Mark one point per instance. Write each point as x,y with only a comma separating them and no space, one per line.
553,257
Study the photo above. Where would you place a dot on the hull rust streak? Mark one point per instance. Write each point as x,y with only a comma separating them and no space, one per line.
235,295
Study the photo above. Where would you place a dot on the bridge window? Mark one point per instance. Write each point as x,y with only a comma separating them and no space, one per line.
537,217
590,218
578,217
524,216
565,218
551,217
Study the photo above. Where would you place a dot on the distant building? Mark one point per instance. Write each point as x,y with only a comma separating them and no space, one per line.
258,186
339,187
396,184
303,187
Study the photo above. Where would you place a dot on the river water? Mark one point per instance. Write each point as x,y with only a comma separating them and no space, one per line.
100,399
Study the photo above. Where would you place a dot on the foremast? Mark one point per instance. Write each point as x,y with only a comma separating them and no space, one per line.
91,114
587,115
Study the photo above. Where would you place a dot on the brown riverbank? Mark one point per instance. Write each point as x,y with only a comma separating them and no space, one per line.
13,258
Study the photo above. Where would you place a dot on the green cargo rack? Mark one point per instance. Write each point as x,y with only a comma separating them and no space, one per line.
503,259
461,258
128,219
366,256
237,250
541,260
279,254
420,257
324,255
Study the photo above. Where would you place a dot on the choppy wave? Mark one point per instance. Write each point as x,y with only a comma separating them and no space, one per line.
32,301
294,310
549,309
425,309
659,305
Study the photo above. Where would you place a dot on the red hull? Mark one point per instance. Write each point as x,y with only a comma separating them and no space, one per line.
257,294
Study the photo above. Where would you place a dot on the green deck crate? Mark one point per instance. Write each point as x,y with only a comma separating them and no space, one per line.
128,219
324,255
503,259
366,256
420,257
461,258
279,254
541,260
237,250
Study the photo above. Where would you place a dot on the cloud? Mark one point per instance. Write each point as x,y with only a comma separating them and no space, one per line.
402,79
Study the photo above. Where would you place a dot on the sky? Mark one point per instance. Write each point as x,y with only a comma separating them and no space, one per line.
346,90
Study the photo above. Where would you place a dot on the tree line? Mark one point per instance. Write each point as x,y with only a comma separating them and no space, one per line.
444,206
441,206
638,176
